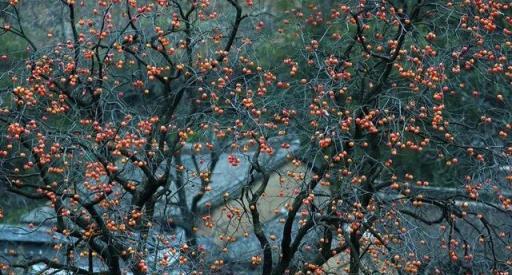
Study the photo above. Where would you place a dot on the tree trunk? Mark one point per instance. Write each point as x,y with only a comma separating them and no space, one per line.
354,254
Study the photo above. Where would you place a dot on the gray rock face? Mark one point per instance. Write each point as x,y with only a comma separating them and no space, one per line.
23,233
229,179
243,249
225,178
42,215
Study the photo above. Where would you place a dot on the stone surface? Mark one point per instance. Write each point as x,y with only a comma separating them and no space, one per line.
23,233
41,215
225,177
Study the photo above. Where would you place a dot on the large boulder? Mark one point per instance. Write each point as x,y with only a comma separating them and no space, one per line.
38,216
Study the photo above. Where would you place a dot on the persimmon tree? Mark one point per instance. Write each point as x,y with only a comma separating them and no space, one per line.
129,87
394,90
401,110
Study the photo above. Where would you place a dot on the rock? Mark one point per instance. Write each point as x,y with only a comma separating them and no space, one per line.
41,215
15,233
225,177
